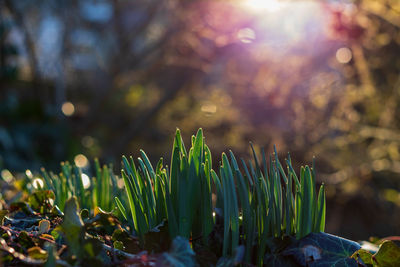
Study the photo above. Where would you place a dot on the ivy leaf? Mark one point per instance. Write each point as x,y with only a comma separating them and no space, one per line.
274,255
276,260
363,257
37,253
387,255
72,217
44,226
72,226
180,255
321,249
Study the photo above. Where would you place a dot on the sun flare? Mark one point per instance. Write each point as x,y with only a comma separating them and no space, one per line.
264,5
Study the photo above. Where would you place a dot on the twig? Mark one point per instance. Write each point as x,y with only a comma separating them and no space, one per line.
120,252
16,232
26,259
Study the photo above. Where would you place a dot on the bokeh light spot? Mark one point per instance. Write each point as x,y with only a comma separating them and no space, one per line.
7,176
68,109
380,165
37,183
87,141
85,180
392,196
383,39
246,35
134,95
81,161
344,55
29,174
209,108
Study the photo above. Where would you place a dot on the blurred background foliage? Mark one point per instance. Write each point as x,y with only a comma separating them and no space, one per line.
102,78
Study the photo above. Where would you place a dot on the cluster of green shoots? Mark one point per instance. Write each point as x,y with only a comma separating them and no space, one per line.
69,182
262,198
257,200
